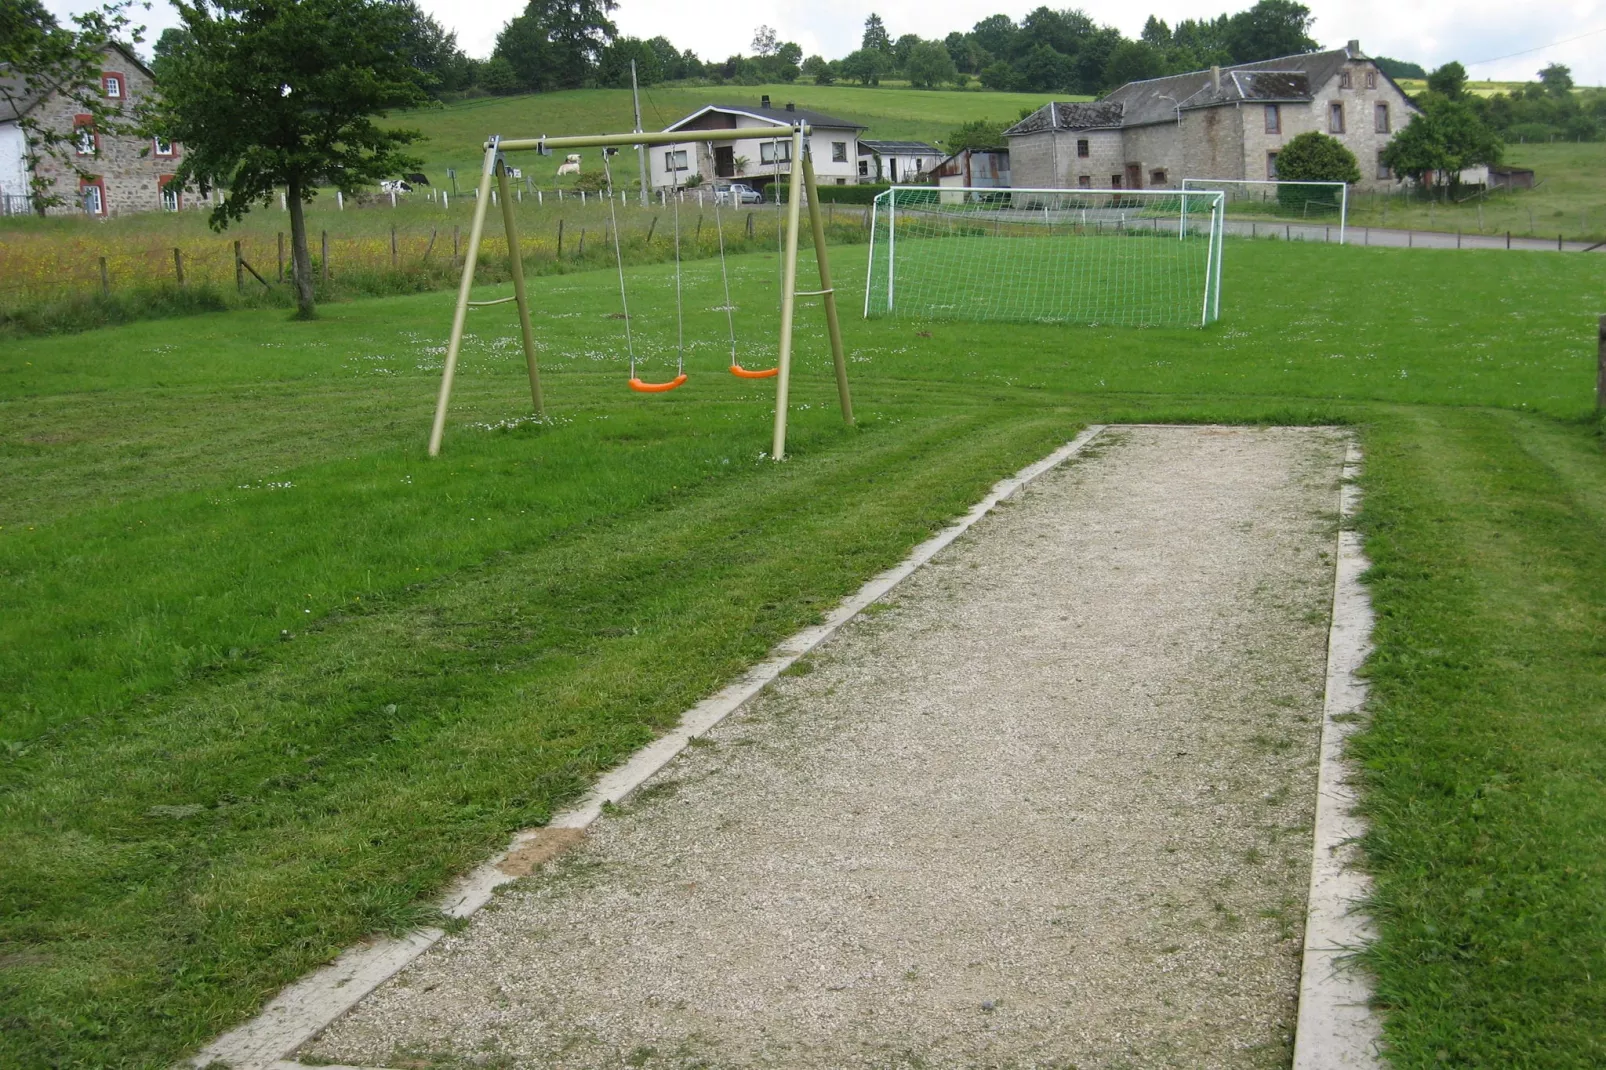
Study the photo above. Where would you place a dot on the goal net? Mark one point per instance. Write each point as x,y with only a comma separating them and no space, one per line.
1134,258
1248,200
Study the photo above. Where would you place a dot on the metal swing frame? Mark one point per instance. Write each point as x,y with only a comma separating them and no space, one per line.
802,185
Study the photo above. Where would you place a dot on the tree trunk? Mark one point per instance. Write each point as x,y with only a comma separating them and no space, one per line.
299,256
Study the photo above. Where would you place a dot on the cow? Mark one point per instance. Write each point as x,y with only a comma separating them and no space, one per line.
417,178
394,186
571,164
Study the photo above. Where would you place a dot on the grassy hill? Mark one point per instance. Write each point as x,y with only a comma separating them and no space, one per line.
454,133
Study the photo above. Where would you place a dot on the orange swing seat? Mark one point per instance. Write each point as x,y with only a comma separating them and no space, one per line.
656,388
742,373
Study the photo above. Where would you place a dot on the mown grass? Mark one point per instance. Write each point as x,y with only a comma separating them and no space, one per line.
268,677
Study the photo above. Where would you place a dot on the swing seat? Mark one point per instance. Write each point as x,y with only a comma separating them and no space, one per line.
763,373
657,388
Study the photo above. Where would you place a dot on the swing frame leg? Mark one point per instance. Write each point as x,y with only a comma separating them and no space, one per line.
788,296
516,267
833,325
464,289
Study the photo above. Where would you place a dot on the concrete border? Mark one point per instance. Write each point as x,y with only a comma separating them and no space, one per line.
1338,1028
291,1018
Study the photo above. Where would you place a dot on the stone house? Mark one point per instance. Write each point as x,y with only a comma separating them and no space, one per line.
1226,122
128,174
763,158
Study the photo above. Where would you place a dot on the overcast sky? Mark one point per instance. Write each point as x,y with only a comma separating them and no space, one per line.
1428,32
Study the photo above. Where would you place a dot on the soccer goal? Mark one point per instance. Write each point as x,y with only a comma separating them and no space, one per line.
1133,258
1323,204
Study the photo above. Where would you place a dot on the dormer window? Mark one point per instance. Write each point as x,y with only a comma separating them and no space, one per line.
1343,79
112,85
1371,79
162,147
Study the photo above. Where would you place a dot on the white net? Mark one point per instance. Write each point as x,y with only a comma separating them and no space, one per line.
1128,258
1284,202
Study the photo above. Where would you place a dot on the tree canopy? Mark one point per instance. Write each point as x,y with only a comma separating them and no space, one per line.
1447,138
557,44
1313,157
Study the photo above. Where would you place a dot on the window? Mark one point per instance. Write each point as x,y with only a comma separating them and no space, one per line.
162,147
1343,80
1383,168
1271,165
1157,178
1335,118
85,140
1371,79
842,182
773,151
1082,149
112,86
864,168
1115,181
675,160
172,195
93,192
839,152
1274,119
1381,118
1085,181
920,164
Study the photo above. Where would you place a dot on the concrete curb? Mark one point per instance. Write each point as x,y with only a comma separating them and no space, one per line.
1338,1029
296,1014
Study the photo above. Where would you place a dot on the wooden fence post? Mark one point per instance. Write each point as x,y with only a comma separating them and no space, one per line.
178,266
582,242
560,239
239,270
105,279
324,255
749,224
651,228
456,234
281,256
393,247
1600,370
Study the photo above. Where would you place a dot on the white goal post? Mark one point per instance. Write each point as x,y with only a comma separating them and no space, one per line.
1267,192
1137,258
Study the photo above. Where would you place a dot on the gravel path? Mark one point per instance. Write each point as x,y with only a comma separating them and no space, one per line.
1049,807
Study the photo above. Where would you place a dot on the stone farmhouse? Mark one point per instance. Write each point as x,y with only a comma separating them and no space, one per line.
129,174
1227,122
764,158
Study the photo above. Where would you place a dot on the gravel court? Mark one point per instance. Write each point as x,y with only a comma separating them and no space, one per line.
1049,805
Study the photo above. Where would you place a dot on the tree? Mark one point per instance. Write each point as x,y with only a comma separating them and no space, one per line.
930,65
497,76
39,56
1269,29
875,35
431,49
1313,157
1087,70
866,66
1399,68
996,35
1133,61
999,75
1043,70
1557,80
613,65
817,68
271,93
1449,80
764,43
1447,138
555,44
1156,32
901,49
1063,31
980,134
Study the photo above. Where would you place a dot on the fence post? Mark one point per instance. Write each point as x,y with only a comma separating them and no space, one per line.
749,224
1458,237
582,239
456,235
178,266
340,200
1508,239
560,239
393,246
325,252
1558,243
239,269
281,256
652,227
105,279
1600,370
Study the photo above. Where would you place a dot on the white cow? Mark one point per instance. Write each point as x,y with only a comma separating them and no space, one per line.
571,164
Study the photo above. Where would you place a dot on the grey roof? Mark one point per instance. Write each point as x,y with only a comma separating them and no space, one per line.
1078,115
780,115
897,148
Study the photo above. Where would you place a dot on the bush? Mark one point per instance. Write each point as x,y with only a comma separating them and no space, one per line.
1313,157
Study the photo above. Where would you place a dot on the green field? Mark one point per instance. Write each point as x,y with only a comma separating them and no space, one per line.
269,677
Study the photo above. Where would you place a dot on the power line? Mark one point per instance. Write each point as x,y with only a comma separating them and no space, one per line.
1538,48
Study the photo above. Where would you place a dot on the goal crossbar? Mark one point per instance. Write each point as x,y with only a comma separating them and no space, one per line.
1207,184
1047,255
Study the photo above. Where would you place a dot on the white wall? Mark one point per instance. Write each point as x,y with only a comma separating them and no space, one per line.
13,172
826,169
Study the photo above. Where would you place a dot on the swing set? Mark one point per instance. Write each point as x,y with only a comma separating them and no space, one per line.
802,186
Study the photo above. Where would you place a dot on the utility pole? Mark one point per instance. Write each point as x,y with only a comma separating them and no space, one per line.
641,150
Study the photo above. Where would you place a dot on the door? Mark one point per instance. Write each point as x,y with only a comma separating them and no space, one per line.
724,161
1134,176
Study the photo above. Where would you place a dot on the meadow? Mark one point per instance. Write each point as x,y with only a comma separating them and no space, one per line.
269,677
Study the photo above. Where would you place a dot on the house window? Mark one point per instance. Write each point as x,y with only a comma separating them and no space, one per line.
675,160
85,140
172,194
842,182
162,147
839,152
1115,181
920,164
773,152
1157,178
1085,181
112,85
1335,118
1381,118
1383,168
864,168
1343,80
1274,119
1371,79
93,192
1082,149
1271,165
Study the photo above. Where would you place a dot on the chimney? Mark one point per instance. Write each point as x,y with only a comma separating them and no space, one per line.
1215,77
1353,48
764,101
791,106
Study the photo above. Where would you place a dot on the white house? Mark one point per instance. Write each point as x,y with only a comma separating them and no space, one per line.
763,158
896,161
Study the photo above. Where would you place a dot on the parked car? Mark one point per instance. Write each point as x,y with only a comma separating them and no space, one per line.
738,193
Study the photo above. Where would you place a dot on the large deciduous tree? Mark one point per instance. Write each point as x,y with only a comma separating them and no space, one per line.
39,56
1447,138
555,44
271,93
929,64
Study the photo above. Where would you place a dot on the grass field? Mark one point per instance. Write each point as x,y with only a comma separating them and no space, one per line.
268,677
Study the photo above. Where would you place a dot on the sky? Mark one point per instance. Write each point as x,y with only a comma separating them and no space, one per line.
1482,34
